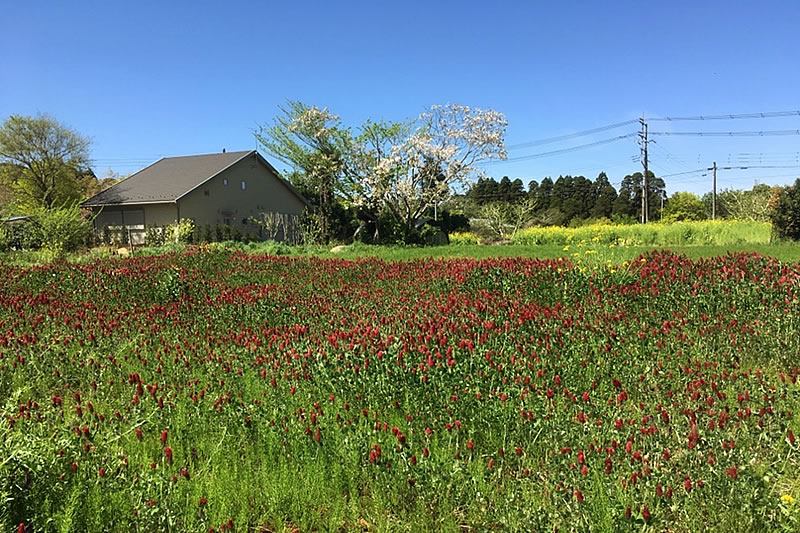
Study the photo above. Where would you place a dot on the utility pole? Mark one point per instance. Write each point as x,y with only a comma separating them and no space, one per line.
643,141
714,192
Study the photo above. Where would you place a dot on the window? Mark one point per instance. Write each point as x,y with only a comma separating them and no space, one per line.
244,185
225,182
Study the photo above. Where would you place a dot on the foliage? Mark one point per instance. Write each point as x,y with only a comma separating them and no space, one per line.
181,231
242,392
683,206
742,204
488,190
629,199
56,230
43,162
785,211
461,239
313,142
675,234
505,219
440,153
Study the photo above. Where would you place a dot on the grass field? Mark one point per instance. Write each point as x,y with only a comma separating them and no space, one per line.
209,389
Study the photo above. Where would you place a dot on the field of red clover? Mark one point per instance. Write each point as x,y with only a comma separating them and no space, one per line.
221,391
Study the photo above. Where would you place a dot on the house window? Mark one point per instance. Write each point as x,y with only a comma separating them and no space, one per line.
244,185
225,182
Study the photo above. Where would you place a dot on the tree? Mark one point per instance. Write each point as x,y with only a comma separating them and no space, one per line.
604,197
449,140
684,206
41,161
507,218
743,205
785,211
629,200
312,141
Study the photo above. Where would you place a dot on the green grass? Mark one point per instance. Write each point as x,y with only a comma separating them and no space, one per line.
784,252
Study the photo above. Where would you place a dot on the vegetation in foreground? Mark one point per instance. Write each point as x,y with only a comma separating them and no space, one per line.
225,391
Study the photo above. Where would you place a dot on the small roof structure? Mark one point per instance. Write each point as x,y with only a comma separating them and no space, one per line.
170,178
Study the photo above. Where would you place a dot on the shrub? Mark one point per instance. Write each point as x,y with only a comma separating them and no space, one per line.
785,216
181,232
463,238
58,230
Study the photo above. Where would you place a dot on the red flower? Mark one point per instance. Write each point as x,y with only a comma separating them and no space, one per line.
687,485
168,454
101,472
139,433
791,437
579,496
645,513
470,445
164,437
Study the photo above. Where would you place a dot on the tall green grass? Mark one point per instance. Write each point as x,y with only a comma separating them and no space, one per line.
708,232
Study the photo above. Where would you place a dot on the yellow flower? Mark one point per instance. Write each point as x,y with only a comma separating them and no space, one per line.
566,248
786,498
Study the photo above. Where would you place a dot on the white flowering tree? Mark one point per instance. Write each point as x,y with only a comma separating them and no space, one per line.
313,142
442,152
400,167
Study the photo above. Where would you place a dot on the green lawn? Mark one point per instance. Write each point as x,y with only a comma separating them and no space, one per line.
597,254
782,252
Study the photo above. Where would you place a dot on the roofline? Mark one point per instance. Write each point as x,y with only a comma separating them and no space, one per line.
288,185
215,174
86,202
259,157
110,204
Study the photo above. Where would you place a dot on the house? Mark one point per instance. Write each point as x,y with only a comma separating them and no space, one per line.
222,189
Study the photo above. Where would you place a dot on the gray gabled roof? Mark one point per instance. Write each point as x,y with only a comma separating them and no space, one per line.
170,178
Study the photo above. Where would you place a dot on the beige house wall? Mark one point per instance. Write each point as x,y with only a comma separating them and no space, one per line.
222,200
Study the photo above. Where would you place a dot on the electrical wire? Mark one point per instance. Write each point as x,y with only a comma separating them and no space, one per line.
769,114
769,133
570,135
557,152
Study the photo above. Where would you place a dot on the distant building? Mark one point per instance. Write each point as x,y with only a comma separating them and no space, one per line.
226,188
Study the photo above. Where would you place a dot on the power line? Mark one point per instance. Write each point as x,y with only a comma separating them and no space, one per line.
556,152
770,114
768,133
570,135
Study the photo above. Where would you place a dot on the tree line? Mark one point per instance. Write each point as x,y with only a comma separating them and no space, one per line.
388,181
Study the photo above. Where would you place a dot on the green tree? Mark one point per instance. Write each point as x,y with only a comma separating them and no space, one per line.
312,142
684,206
785,211
42,161
629,200
604,197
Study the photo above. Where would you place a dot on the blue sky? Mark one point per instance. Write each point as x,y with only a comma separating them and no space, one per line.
150,79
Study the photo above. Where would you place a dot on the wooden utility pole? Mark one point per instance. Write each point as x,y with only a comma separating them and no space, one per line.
643,141
714,192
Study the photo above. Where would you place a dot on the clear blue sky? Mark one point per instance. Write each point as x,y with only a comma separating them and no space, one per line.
151,79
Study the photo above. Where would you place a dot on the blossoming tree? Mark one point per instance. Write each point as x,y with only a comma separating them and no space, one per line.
441,153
